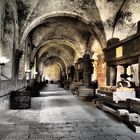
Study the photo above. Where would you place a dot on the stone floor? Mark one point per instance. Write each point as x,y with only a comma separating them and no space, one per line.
58,115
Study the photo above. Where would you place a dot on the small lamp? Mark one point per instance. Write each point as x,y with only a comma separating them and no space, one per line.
3,60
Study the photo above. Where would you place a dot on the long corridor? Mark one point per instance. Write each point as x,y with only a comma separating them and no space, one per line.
58,115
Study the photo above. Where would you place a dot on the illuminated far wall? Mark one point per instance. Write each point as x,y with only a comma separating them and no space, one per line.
52,72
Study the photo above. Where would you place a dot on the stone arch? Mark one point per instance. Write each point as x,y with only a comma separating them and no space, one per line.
94,29
55,59
61,41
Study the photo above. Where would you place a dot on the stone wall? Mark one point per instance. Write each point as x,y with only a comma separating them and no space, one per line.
9,37
1,23
8,45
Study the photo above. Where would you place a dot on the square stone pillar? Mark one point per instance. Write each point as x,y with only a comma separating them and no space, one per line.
111,75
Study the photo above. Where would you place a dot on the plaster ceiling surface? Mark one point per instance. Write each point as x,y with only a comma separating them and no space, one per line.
58,48
76,26
64,37
54,60
118,17
62,28
85,10
57,53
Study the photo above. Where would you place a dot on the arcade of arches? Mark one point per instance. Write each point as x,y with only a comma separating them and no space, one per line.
66,41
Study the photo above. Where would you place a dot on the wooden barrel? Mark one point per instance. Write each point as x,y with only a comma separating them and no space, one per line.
20,99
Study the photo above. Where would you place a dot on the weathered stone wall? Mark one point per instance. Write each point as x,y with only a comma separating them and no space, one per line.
1,23
9,36
8,44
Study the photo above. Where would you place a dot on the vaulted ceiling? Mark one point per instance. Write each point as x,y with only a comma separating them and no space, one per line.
118,17
67,29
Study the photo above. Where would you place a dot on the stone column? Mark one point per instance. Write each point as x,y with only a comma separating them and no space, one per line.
76,76
87,69
63,78
72,71
108,75
111,75
18,55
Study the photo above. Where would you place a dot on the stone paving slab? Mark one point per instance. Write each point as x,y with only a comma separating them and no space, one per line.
64,131
61,117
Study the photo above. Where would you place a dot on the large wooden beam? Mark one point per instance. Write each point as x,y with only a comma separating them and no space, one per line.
134,105
132,123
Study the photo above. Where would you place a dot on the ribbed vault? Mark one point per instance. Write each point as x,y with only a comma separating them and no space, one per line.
67,29
53,60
